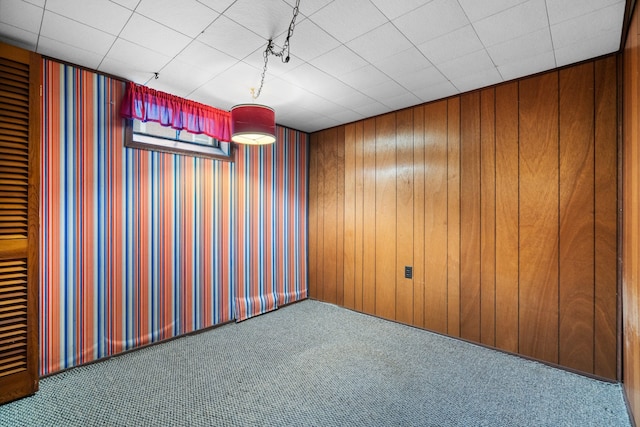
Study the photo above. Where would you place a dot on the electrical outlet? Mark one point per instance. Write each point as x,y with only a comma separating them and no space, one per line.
408,272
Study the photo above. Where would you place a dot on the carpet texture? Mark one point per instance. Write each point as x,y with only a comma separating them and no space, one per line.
315,364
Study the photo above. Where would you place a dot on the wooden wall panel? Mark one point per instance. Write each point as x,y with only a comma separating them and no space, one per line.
507,218
340,215
605,325
453,217
576,244
330,225
369,230
386,218
350,194
538,299
418,216
470,216
435,217
504,202
359,219
405,221
488,217
314,208
630,233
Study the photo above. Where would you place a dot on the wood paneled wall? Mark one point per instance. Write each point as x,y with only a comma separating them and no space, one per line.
631,217
502,200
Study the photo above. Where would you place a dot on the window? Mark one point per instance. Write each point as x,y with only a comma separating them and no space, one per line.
153,136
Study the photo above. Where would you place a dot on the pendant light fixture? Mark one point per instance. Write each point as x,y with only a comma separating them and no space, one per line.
255,124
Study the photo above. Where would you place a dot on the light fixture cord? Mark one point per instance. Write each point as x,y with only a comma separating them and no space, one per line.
280,54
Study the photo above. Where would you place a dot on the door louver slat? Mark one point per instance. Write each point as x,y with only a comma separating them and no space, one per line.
13,319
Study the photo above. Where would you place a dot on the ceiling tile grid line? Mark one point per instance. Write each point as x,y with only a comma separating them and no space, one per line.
349,58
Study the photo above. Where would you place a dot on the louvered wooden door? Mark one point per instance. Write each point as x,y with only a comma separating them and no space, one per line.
19,191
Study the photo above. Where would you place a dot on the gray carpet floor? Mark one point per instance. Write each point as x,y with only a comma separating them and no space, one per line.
315,364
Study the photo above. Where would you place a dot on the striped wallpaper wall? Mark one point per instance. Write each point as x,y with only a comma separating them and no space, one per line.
140,246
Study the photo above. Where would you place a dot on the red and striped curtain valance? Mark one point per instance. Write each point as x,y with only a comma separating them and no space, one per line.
150,105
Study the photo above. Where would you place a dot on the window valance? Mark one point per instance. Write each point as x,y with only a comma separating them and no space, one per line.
146,104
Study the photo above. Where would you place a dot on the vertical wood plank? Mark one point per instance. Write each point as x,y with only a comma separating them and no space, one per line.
576,244
488,218
349,215
359,217
386,218
435,217
404,227
453,216
539,217
340,215
605,218
313,216
320,264
630,228
418,216
369,216
329,206
470,216
507,225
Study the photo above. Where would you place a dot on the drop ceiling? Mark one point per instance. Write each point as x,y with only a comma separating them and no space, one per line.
350,59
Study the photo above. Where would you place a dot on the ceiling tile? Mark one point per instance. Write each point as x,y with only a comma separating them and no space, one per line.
339,61
231,38
136,59
103,15
473,63
563,10
267,18
451,45
354,100
310,41
521,48
227,89
364,77
380,43
73,33
527,66
200,55
18,37
372,109
217,5
39,3
129,4
439,91
394,9
588,48
154,36
309,7
599,22
432,20
347,116
514,22
420,79
65,52
180,78
385,90
21,15
187,17
275,66
346,20
316,81
477,10
477,79
405,62
319,105
404,100
319,123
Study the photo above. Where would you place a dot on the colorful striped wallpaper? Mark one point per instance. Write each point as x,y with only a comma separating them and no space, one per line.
140,246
